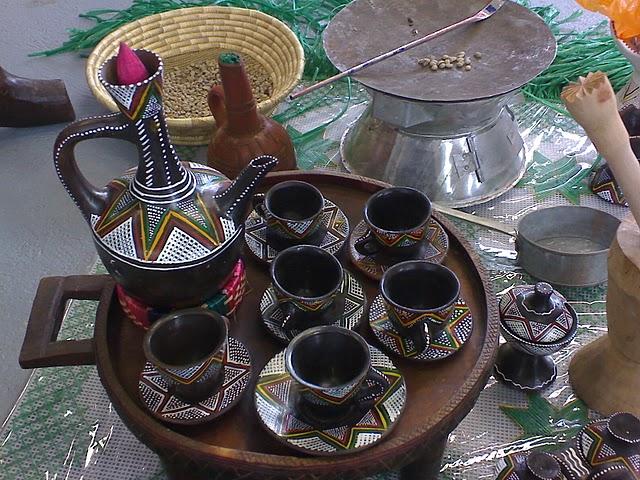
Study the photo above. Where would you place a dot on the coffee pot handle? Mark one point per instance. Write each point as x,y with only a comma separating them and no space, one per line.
88,198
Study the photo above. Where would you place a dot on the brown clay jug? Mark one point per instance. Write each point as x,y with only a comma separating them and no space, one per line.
242,132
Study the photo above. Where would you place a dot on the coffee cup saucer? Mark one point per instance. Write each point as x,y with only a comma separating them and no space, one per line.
275,402
451,339
349,308
434,249
163,405
334,219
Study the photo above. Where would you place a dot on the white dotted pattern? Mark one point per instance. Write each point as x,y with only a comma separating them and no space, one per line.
181,247
281,419
334,219
154,392
121,239
352,295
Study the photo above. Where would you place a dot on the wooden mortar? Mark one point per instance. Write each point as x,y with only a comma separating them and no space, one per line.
606,373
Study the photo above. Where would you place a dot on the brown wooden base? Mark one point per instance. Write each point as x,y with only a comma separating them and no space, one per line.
236,443
606,373
425,467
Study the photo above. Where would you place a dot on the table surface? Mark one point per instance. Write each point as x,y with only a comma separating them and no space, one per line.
41,231
78,435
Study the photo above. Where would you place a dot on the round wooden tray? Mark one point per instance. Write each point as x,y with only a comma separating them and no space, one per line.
439,394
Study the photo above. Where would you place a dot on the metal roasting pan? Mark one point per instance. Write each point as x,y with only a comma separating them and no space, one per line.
564,245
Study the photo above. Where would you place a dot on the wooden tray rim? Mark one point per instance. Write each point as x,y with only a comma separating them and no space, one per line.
154,433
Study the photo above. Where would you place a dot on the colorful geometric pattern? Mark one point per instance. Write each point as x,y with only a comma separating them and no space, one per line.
207,368
333,218
306,305
154,391
275,400
435,248
408,318
449,341
351,296
171,233
293,229
225,302
514,319
391,239
605,186
136,100
330,396
595,446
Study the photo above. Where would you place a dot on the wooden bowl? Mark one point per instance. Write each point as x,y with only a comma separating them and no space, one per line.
191,33
439,394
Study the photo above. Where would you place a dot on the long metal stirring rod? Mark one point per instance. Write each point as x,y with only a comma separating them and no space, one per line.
492,7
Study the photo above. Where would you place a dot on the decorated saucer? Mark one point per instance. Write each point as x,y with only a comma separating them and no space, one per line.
162,404
451,339
434,249
275,398
603,446
349,304
336,222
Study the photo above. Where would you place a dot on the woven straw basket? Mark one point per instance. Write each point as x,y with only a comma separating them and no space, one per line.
191,34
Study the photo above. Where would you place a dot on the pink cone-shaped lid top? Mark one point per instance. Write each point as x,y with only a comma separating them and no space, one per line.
129,67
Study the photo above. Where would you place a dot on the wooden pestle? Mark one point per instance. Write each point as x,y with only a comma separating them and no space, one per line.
592,103
605,374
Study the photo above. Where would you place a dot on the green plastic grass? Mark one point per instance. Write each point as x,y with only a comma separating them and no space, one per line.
578,52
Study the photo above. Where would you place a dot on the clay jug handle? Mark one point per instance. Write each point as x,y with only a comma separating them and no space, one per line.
215,99
88,198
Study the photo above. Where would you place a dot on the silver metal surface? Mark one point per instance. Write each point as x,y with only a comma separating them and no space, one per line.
563,245
489,10
566,245
515,43
459,154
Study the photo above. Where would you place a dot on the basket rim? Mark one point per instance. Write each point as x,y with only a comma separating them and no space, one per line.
95,59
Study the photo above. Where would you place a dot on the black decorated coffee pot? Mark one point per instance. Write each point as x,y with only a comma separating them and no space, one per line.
169,232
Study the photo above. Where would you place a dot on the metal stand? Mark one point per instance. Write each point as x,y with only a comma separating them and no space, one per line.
459,154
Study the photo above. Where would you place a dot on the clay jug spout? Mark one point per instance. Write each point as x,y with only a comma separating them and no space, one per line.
234,202
215,99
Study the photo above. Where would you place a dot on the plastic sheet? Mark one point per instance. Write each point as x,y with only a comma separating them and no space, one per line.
624,13
64,426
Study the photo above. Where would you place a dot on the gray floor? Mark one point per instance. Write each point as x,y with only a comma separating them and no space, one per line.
41,231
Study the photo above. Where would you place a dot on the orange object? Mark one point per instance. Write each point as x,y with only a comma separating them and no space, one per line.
625,14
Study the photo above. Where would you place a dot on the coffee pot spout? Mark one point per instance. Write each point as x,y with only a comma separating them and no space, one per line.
234,202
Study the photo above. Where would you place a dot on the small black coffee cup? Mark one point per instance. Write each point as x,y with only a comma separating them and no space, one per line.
293,213
306,280
398,222
419,297
188,349
331,369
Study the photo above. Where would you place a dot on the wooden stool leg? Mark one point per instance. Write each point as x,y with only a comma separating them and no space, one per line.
606,373
427,466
